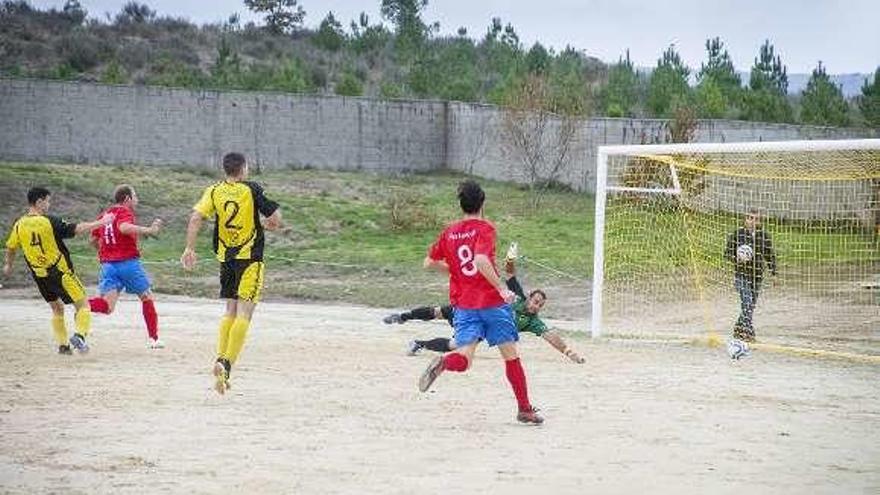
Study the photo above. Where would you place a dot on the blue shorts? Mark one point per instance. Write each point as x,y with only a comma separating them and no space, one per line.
494,325
119,275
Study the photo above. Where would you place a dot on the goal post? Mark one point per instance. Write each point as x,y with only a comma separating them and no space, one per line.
664,215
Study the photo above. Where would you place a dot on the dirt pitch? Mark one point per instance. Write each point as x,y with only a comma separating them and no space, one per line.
325,401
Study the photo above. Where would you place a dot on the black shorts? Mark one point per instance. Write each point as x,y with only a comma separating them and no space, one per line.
241,279
59,285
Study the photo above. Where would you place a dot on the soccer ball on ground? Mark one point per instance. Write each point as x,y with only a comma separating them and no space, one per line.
737,349
744,253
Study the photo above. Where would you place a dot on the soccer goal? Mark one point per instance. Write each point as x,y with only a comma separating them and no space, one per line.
666,249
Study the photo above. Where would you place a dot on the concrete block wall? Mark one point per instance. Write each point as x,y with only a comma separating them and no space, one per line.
59,121
92,123
476,141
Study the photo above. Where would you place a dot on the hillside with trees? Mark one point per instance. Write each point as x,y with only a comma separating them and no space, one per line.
404,55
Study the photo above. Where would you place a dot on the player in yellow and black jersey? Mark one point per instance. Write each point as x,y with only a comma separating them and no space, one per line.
41,239
236,206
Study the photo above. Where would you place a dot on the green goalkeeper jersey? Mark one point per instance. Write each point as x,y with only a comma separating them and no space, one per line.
525,321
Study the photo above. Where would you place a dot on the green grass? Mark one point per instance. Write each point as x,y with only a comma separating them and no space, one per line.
343,244
334,219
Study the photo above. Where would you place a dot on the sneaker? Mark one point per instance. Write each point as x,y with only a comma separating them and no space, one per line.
431,373
78,342
155,344
392,318
529,417
65,349
221,376
413,348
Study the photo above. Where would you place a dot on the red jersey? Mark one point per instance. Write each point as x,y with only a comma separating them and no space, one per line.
458,245
113,245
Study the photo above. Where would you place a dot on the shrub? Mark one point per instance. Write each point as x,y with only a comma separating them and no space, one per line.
408,211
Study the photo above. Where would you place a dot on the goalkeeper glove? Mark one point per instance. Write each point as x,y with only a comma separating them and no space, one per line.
512,251
574,356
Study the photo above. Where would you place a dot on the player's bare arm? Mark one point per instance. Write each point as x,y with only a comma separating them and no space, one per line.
485,267
130,228
7,262
558,343
273,221
438,265
188,258
90,226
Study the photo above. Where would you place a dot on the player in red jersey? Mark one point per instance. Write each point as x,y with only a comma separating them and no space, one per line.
121,267
466,251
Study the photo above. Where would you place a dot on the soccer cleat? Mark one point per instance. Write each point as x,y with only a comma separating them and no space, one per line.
65,349
78,342
530,416
413,348
431,373
155,344
221,376
392,318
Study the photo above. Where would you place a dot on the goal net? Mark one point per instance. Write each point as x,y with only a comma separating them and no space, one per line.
672,220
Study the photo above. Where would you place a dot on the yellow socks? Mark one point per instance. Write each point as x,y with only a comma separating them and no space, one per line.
237,335
223,335
59,330
83,320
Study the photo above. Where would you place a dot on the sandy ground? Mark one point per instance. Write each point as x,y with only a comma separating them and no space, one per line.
325,401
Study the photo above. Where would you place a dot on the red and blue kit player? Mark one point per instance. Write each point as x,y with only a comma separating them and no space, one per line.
121,267
466,250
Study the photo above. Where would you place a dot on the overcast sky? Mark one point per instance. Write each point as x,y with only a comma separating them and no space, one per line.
843,34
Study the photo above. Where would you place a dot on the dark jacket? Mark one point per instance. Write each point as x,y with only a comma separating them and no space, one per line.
762,247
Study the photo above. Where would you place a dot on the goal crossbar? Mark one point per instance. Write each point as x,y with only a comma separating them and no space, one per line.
742,147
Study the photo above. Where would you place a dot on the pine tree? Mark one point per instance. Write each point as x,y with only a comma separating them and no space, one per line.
719,90
668,87
411,31
766,100
330,35
538,59
620,95
869,102
823,102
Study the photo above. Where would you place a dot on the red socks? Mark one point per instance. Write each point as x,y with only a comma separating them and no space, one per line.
151,318
517,378
513,368
99,305
455,362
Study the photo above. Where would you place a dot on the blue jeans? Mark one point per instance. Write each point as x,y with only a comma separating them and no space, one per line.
748,288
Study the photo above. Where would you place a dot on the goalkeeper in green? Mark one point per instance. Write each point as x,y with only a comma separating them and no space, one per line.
749,248
525,309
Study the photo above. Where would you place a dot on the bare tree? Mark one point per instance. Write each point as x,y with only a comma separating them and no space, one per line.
683,125
539,139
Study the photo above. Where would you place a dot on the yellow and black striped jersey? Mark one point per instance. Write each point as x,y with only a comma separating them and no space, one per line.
41,239
236,208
